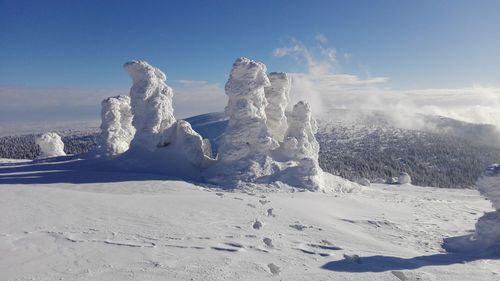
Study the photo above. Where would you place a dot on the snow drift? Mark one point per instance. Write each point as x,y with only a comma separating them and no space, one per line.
51,145
116,125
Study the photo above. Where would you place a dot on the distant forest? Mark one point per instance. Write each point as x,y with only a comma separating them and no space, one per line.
378,153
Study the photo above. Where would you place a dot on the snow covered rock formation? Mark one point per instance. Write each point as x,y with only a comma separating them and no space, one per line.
51,145
151,104
487,234
277,95
246,144
116,125
489,185
404,178
261,144
161,143
300,145
488,226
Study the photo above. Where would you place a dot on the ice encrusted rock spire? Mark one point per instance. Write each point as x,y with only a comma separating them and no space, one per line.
246,134
116,125
51,145
487,233
277,95
489,185
161,143
151,104
246,143
300,145
488,226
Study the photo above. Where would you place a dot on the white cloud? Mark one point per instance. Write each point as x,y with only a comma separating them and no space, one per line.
321,86
25,107
193,97
321,38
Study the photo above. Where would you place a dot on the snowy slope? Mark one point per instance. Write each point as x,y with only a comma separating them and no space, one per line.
60,221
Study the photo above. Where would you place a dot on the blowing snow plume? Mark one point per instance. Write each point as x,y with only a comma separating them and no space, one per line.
325,89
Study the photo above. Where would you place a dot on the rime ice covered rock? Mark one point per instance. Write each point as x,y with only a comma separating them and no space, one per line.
489,185
299,141
488,228
487,234
404,178
161,143
151,104
277,95
300,145
246,143
51,145
116,125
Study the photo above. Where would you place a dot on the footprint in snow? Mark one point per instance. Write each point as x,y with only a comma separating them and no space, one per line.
264,202
274,268
270,212
268,242
257,224
413,275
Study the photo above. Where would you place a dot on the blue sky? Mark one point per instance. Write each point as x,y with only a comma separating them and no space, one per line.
81,45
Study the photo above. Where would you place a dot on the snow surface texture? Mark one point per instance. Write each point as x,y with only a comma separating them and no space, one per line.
62,222
116,125
151,103
277,95
51,145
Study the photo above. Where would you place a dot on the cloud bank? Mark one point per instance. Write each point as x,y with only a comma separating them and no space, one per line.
325,89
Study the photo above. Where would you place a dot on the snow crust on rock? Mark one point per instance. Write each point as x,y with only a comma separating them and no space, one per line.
300,145
277,95
404,178
151,104
488,226
116,125
487,234
246,143
161,143
51,145
489,185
